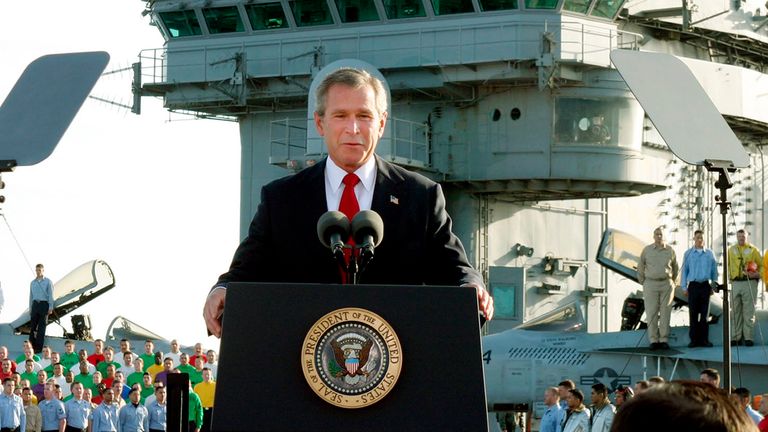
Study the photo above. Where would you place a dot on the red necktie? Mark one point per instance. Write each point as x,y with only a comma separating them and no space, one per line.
349,206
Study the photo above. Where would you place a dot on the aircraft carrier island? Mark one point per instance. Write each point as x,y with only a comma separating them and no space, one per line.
554,175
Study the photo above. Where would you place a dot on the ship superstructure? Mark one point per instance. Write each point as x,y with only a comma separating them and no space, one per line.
512,105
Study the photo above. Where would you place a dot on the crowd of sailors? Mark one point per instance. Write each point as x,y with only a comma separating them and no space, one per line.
102,390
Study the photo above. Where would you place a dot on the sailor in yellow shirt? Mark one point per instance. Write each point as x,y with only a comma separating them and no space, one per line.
657,271
744,268
206,390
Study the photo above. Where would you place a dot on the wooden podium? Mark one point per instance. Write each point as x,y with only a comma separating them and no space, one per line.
261,380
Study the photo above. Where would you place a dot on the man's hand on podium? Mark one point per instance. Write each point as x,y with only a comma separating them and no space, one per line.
484,300
213,310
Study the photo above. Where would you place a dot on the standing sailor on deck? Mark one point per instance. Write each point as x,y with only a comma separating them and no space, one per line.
744,268
40,306
699,272
656,271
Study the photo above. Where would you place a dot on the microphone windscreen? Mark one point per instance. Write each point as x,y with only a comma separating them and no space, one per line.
332,222
367,222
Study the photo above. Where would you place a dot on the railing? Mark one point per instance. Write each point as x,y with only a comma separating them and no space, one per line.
440,46
287,140
406,145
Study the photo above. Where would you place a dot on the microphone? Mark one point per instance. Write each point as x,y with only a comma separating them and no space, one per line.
333,230
368,231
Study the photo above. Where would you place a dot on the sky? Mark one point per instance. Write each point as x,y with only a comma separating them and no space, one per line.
155,196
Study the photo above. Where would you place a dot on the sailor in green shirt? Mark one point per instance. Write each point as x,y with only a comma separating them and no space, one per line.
137,376
70,357
149,354
195,411
185,367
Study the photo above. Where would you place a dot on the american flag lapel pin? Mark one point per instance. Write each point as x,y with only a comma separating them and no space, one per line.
393,200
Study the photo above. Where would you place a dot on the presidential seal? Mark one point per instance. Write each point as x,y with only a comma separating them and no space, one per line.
351,358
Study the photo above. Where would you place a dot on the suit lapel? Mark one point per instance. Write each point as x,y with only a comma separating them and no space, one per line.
315,185
387,193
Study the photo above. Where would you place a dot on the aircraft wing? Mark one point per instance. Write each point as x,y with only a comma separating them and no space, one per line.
741,355
77,288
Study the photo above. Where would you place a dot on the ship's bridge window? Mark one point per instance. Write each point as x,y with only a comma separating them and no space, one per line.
541,4
266,16
181,23
607,8
579,6
397,9
494,5
598,121
310,12
448,7
352,11
223,20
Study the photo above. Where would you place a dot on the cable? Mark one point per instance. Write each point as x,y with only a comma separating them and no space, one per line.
17,243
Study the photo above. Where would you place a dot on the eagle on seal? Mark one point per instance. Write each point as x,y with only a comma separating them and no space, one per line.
351,358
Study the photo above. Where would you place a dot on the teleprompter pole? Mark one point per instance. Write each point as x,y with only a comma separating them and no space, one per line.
724,183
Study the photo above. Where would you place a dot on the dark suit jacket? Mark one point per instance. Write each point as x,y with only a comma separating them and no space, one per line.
418,246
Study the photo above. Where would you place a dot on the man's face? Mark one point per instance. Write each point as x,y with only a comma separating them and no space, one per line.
351,125
174,346
28,367
184,359
55,358
658,237
706,379
48,391
198,348
563,393
741,237
206,375
147,380
160,394
117,387
111,371
149,347
108,395
83,354
6,365
199,363
69,376
77,390
3,352
698,240
128,359
26,396
619,398
139,365
96,377
8,387
58,370
125,346
46,352
98,346
211,356
88,394
548,399
69,348
108,355
39,271
135,397
597,398
41,377
573,401
83,368
168,364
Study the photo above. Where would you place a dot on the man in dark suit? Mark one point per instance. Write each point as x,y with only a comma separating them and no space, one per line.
418,246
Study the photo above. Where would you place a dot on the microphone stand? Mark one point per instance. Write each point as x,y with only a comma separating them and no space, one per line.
352,268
